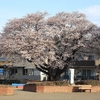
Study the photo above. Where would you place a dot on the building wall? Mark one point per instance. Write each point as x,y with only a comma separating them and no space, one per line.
27,77
32,74
43,76
36,72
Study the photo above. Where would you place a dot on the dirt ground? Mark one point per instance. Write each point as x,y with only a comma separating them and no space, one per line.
25,95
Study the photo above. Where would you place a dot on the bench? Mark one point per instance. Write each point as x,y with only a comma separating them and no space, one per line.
85,87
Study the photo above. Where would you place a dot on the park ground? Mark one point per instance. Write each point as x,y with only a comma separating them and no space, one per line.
25,95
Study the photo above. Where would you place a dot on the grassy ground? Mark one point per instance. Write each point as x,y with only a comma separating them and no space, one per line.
24,95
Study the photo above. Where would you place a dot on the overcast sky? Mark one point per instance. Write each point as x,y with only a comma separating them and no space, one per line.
10,9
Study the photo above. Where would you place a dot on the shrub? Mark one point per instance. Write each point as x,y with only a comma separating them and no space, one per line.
9,81
49,83
88,82
80,83
93,82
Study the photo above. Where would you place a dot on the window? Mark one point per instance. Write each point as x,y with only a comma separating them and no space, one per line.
13,71
91,57
25,71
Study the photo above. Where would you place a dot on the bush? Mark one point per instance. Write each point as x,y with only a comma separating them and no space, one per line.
88,82
9,81
80,83
93,82
50,83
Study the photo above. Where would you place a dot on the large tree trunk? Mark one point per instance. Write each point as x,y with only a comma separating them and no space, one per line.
53,74
53,78
50,78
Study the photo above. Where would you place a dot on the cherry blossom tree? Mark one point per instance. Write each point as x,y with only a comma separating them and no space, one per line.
49,43
94,44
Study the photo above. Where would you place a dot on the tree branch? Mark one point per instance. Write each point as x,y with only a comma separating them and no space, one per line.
41,70
43,67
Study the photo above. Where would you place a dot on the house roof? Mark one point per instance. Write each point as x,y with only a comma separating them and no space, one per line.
18,62
3,62
84,63
27,65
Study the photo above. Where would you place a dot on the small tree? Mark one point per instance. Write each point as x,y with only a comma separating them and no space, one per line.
51,44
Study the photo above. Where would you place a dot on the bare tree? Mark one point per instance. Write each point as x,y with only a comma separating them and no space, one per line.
49,43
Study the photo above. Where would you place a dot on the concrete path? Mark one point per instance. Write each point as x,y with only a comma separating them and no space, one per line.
24,95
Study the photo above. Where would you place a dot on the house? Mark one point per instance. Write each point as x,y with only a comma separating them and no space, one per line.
20,70
86,68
